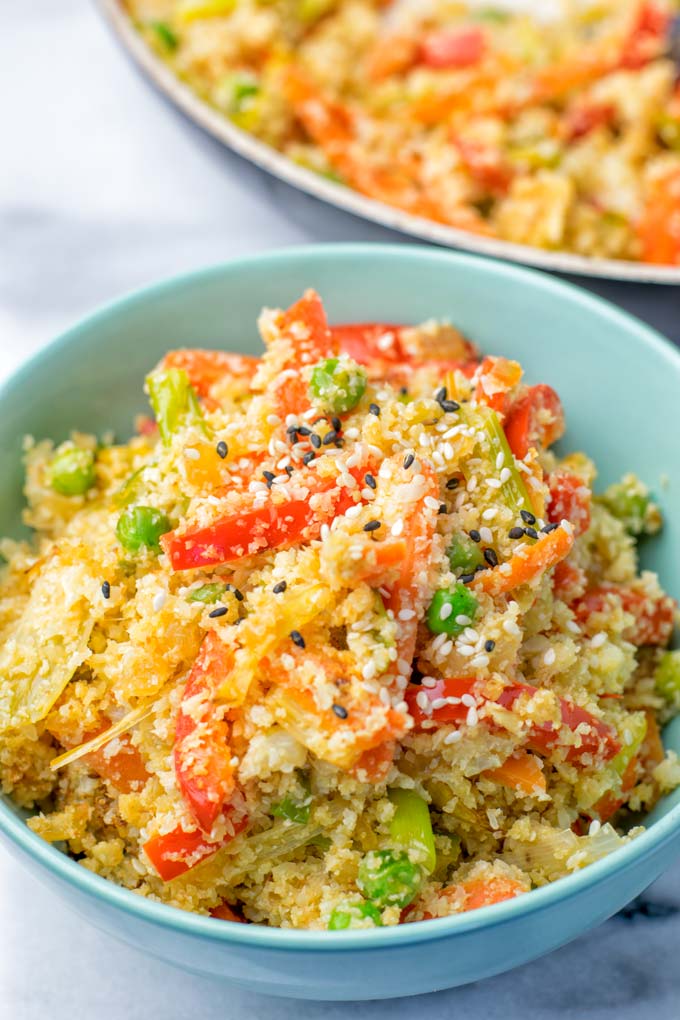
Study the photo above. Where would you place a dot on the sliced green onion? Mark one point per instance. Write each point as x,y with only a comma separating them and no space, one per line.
389,878
207,593
667,676
354,914
174,402
411,826
513,492
338,384
464,554
165,34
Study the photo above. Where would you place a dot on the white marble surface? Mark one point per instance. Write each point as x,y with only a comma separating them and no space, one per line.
104,188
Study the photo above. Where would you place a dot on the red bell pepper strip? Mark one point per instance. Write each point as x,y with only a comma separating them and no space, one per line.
176,852
453,47
596,738
254,528
647,37
570,500
201,753
654,615
366,342
224,912
583,118
535,419
659,227
485,164
304,330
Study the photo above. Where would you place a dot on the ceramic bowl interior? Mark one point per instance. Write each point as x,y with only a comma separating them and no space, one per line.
619,382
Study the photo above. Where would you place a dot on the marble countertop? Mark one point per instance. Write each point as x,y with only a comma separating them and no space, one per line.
104,188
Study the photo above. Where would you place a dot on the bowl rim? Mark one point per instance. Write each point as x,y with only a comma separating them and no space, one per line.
266,157
652,840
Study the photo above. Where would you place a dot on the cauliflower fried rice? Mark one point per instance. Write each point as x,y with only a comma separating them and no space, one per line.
336,640
560,133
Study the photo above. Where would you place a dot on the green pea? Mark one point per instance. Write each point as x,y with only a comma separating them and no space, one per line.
389,878
354,914
141,526
338,384
464,554
629,502
165,35
207,593
667,676
441,619
174,402
71,472
293,810
237,92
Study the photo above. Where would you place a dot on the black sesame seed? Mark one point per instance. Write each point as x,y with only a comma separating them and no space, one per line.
303,430
489,645
374,409
547,528
474,535
292,434
442,508
336,423
466,578
220,611
288,470
491,557
516,533
329,438
238,595
297,638
278,588
408,459
106,590
531,532
315,440
340,711
481,566
269,477
372,526
453,483
370,481
527,517
441,394
308,457
403,390
222,449
449,406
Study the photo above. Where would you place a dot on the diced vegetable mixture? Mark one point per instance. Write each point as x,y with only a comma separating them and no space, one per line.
336,640
558,132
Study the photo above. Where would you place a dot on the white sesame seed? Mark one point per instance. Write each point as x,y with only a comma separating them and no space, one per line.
468,701
462,620
599,639
428,681
403,666
397,528
352,433
273,419
573,627
466,650
445,611
627,737
353,511
489,513
510,627
446,648
472,717
325,532
594,827
470,634
406,614
447,450
566,526
431,503
485,535
192,454
505,475
438,703
500,460
159,601
479,661
422,701
287,661
493,483
453,737
368,670
549,657
385,696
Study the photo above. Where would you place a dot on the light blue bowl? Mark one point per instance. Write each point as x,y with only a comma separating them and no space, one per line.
619,381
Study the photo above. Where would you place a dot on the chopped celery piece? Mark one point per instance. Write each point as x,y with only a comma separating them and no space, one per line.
667,676
174,402
514,491
207,593
464,554
411,826
193,10
130,490
636,727
389,878
354,914
165,35
447,605
629,501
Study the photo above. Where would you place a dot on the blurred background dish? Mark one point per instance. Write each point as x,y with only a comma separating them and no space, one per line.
607,116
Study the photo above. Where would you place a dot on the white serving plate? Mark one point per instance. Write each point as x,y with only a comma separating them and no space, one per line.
280,166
